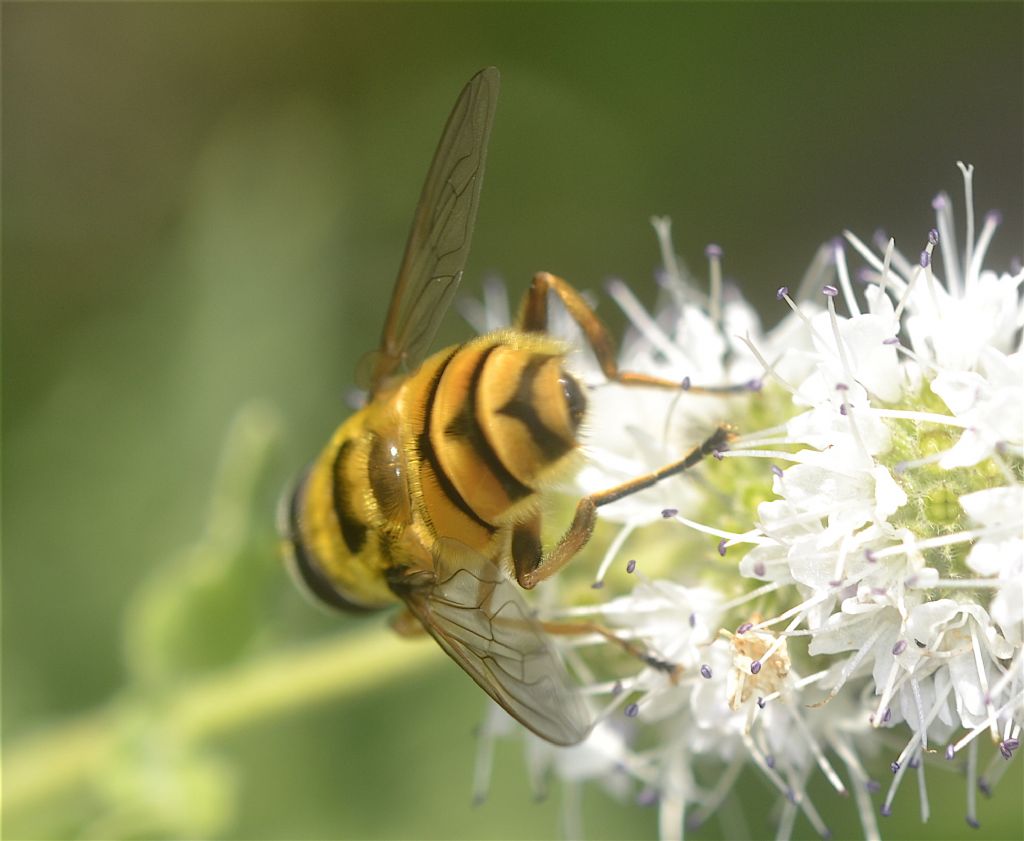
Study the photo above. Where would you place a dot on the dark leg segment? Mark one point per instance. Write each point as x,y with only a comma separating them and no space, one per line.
533,318
532,564
536,567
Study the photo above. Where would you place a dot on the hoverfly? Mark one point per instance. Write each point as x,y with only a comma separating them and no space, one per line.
430,494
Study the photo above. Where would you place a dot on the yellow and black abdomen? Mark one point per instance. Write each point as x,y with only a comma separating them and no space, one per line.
459,450
335,547
499,423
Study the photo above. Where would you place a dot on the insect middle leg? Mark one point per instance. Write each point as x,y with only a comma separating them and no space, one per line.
533,565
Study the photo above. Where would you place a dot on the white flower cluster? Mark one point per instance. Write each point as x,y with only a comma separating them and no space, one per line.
873,499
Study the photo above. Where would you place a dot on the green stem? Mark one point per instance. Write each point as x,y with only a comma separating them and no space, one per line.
69,753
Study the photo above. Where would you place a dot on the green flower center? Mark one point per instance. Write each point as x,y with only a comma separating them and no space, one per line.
933,493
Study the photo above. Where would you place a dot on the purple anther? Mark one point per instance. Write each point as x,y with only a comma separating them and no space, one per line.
873,786
631,566
721,546
705,671
993,217
933,237
759,569
829,291
597,585
712,250
1007,747
632,710
900,647
746,626
892,340
925,260
755,384
717,455
647,797
886,810
693,620
761,702
769,760
617,688
914,762
686,384
972,822
776,471
894,767
950,752
842,387
782,292
669,513
843,410
755,667
984,787
939,201
887,715
880,238
899,468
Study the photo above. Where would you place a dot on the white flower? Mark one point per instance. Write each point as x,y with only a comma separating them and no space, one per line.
885,530
989,402
1000,555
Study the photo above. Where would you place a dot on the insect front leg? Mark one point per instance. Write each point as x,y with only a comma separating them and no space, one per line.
533,317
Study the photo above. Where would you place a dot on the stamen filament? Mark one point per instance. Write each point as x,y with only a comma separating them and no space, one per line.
968,173
844,280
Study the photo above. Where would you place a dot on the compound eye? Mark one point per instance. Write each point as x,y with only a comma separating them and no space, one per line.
575,399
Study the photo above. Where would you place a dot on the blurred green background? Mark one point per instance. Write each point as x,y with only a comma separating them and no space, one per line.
205,205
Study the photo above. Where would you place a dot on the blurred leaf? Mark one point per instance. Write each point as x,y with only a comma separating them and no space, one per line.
203,608
158,785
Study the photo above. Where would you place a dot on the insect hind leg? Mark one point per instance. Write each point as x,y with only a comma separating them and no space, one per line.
631,647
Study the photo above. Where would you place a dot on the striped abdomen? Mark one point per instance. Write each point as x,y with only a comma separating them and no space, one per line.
492,423
336,545
458,450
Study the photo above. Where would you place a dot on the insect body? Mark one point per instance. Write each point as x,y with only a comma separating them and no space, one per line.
430,494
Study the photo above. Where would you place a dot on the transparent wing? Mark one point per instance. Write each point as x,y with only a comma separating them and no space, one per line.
441,232
480,619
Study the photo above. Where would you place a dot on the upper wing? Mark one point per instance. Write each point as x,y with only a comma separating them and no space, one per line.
441,231
479,618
